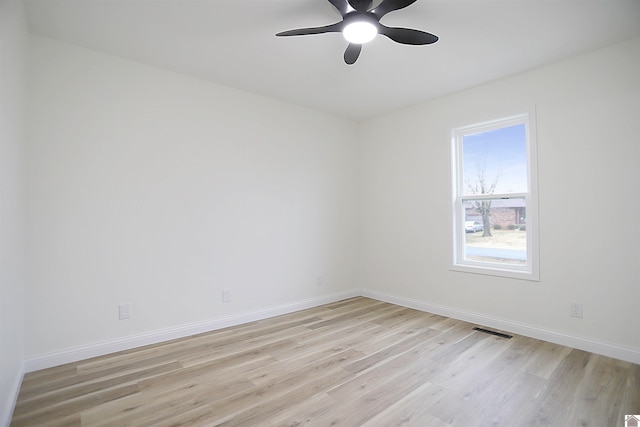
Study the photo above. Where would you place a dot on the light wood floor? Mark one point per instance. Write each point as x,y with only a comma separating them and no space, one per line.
351,363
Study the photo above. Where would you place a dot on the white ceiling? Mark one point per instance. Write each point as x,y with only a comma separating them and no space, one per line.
232,42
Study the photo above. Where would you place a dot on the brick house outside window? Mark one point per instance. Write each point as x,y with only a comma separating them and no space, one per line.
506,214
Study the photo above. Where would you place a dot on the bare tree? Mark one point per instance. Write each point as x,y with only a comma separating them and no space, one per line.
483,185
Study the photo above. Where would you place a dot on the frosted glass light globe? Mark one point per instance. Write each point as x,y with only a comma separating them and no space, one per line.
359,32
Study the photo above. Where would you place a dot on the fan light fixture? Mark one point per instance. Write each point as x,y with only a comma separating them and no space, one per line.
361,22
360,32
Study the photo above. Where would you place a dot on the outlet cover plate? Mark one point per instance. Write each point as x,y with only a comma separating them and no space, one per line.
124,311
576,310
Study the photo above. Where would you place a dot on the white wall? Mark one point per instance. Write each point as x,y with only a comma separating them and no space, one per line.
13,57
155,189
588,115
151,188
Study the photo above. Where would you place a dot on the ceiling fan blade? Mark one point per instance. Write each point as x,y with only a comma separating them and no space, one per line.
407,35
341,5
352,53
390,5
333,28
361,5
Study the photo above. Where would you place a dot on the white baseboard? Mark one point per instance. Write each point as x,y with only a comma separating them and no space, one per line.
126,343
606,349
10,401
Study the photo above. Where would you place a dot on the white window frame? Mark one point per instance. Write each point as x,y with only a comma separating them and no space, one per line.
529,271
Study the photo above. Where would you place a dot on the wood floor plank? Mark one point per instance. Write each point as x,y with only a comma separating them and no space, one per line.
46,375
354,362
631,395
507,401
309,412
373,396
39,415
68,393
358,315
316,341
411,410
140,408
289,386
545,359
561,390
600,394
388,352
469,369
251,349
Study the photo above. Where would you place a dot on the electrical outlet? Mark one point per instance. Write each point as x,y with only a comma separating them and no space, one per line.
319,281
576,310
124,311
226,295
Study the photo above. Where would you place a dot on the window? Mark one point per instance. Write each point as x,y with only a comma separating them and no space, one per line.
494,198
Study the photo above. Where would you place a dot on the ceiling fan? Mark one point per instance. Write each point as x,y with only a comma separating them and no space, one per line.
361,23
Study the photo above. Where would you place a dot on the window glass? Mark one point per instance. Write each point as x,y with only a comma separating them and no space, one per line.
495,161
506,242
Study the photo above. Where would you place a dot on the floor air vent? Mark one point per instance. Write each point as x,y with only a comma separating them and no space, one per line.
498,334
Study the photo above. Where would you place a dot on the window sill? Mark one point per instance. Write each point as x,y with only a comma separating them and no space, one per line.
498,272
